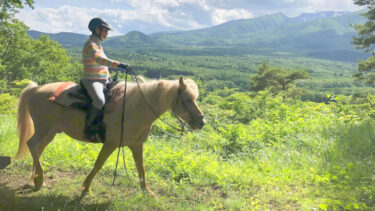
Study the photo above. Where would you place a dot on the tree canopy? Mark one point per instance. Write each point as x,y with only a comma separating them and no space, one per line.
21,57
9,7
276,79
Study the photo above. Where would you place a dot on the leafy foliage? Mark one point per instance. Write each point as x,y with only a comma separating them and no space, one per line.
9,8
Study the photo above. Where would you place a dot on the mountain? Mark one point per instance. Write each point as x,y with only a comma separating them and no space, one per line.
322,34
312,34
64,38
276,29
225,34
133,39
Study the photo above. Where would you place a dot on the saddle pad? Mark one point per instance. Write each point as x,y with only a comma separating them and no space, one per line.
64,86
64,94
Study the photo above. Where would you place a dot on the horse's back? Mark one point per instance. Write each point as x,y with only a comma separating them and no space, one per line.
40,106
47,89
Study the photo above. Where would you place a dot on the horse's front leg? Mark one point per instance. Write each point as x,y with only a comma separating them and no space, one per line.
105,152
137,151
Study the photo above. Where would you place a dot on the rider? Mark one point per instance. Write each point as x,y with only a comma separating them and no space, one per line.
96,76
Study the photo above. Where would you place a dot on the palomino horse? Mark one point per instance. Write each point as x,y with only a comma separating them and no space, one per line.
39,120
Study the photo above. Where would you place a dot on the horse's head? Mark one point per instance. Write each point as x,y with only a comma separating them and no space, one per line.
186,105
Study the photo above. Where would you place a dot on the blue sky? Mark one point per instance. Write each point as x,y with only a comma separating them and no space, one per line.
149,16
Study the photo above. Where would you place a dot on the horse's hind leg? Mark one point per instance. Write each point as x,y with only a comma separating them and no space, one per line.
37,144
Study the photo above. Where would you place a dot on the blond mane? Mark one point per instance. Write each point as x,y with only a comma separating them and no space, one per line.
151,85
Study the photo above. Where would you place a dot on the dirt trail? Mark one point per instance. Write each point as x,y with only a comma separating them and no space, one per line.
16,194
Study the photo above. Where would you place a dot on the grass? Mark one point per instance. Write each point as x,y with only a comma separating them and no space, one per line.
299,156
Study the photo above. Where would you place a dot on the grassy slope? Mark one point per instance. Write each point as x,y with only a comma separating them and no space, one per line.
255,153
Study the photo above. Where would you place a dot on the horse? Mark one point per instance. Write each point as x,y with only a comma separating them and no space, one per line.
39,120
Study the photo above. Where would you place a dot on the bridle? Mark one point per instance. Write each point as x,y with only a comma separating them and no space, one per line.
192,116
179,95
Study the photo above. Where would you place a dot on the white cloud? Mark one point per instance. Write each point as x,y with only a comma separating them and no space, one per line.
65,18
146,13
221,15
155,15
306,6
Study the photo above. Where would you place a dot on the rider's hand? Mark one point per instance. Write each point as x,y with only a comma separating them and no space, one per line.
124,66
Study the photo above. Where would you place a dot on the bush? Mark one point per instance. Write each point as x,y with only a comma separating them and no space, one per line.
8,104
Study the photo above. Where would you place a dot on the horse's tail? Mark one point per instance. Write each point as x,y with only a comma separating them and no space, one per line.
25,123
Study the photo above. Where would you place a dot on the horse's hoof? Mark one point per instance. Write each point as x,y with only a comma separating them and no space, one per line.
38,182
149,192
85,191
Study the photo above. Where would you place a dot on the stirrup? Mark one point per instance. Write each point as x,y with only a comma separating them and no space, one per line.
91,137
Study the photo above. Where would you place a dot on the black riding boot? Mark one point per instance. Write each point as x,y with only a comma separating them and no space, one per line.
94,127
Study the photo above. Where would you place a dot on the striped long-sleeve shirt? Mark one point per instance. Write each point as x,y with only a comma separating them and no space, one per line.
95,62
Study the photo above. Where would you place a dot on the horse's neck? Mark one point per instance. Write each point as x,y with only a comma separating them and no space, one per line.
162,96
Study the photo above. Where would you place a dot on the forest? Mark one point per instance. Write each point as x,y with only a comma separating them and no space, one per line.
283,132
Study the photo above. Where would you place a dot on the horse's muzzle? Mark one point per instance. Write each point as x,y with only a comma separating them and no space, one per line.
198,122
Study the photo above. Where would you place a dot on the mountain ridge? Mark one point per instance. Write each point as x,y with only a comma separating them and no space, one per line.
307,34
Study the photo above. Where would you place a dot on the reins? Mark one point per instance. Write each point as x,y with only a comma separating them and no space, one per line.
182,129
121,135
154,113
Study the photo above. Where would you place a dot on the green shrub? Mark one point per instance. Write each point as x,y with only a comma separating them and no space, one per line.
8,104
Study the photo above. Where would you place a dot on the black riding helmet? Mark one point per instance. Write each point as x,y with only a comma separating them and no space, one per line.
98,22
95,22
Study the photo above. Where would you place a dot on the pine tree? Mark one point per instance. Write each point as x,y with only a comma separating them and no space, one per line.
277,80
366,42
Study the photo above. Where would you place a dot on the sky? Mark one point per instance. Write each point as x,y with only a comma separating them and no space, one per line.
150,16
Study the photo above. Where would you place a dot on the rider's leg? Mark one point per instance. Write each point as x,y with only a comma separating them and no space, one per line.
95,89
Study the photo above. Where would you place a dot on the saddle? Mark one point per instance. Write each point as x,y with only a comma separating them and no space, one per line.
70,94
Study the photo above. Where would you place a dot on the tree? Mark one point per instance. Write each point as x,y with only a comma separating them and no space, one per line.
41,60
9,8
276,79
366,42
10,32
21,57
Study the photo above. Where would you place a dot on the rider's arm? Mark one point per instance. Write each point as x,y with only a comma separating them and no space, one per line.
98,55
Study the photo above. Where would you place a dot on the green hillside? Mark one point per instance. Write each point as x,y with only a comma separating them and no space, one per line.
64,38
227,33
132,39
276,29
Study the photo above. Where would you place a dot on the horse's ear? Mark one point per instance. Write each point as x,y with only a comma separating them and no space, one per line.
182,84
